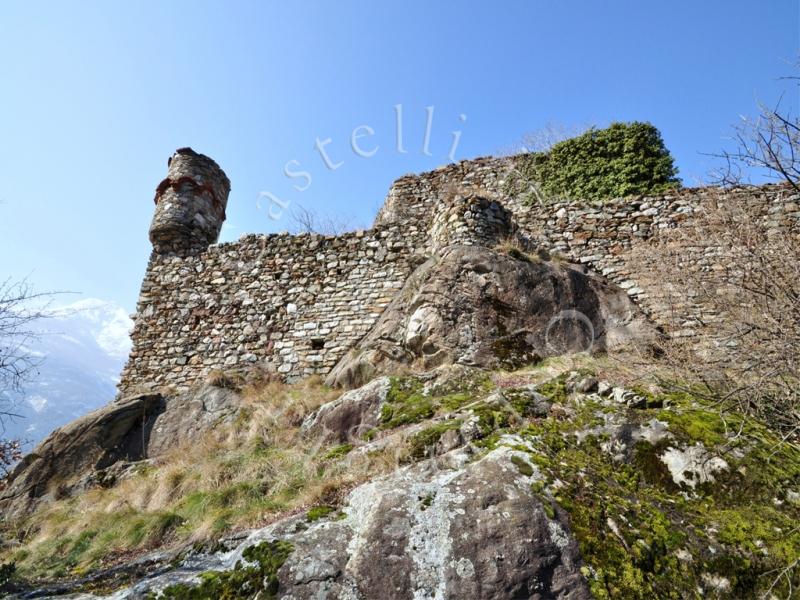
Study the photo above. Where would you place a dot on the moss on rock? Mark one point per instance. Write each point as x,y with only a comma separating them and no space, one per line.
338,452
316,513
257,577
405,403
642,535
410,401
422,442
555,389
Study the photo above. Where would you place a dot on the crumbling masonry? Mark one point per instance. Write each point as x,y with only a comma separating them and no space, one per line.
297,303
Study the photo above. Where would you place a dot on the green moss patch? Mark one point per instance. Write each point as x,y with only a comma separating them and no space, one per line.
523,466
643,536
421,444
255,578
555,389
427,500
457,401
492,418
338,452
319,512
406,403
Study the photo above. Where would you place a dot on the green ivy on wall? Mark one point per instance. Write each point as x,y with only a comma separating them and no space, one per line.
623,159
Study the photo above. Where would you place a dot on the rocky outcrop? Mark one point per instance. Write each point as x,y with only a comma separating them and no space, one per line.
529,485
476,306
455,527
98,448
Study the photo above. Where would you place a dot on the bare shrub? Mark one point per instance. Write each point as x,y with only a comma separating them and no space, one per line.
20,307
544,138
305,220
767,146
737,263
10,453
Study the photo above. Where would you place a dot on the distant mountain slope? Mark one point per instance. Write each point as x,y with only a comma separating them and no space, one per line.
83,347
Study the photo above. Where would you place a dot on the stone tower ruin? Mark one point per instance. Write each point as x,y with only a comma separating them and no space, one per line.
298,304
190,205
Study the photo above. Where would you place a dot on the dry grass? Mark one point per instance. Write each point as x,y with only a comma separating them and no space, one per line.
628,369
516,248
243,475
246,474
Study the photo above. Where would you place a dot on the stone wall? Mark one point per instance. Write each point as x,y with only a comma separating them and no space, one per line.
298,303
607,237
470,220
610,238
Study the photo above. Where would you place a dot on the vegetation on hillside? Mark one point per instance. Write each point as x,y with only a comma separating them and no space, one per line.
641,534
234,478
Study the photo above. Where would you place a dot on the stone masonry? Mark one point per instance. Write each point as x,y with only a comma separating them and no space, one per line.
190,204
296,304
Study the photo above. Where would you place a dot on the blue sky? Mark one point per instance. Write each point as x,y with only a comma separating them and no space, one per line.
94,96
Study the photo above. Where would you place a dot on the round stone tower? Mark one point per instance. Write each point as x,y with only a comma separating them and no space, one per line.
470,221
190,204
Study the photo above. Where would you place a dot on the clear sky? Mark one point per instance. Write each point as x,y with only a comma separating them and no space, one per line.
95,96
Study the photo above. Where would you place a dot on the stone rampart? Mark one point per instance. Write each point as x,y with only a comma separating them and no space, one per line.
297,303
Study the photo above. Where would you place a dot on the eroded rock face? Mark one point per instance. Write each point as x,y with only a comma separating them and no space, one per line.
446,528
351,415
471,532
478,307
98,447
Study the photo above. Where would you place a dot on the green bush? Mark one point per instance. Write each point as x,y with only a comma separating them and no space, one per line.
623,159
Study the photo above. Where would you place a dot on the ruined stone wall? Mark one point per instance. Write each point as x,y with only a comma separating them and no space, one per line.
469,220
607,237
611,239
417,198
298,303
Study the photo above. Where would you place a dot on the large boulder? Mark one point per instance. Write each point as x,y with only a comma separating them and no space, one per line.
98,447
351,415
475,306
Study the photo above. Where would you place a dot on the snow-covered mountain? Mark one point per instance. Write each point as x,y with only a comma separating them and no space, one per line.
84,347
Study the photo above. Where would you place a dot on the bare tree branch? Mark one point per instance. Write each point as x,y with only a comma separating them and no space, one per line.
737,263
305,220
768,143
20,307
541,140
